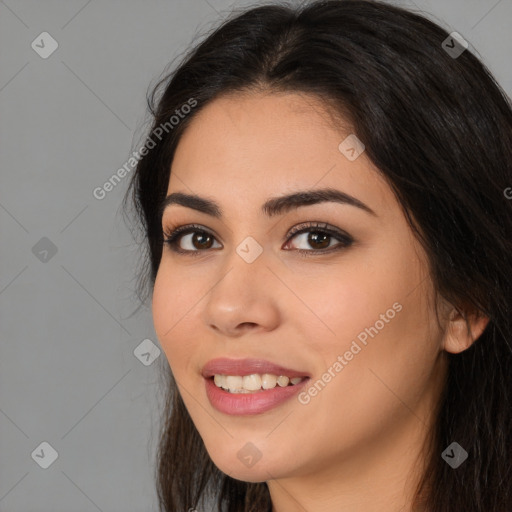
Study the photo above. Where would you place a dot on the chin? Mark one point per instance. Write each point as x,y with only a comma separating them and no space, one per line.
240,466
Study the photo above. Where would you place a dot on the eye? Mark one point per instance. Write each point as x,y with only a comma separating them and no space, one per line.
319,237
199,238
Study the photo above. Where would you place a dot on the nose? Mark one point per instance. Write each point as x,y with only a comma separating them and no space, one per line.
243,298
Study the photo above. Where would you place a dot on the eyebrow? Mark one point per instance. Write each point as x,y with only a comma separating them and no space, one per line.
272,207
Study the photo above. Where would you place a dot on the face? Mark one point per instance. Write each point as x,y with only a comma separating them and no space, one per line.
345,300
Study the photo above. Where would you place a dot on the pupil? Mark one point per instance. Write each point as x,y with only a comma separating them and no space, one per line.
198,236
314,239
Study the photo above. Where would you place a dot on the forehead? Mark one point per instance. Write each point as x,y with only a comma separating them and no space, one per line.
254,145
257,124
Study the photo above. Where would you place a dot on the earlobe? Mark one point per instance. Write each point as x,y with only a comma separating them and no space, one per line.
458,337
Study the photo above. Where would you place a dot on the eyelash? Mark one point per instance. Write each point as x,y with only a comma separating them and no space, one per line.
172,238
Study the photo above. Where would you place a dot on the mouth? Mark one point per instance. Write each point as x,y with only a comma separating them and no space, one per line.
253,383
250,386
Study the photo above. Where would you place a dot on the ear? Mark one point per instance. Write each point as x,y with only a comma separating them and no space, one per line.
463,329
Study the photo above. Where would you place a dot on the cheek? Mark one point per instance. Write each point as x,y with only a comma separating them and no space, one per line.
379,381
375,314
172,301
163,306
341,305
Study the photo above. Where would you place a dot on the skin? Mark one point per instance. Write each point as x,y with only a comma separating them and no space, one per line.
357,445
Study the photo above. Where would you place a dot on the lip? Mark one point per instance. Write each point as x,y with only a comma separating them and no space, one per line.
242,367
240,404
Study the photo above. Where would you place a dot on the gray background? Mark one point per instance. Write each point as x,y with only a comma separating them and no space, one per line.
68,372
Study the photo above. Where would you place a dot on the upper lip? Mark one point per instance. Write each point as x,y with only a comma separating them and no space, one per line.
242,367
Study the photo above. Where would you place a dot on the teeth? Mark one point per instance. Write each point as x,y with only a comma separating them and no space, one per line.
233,383
253,383
268,381
283,381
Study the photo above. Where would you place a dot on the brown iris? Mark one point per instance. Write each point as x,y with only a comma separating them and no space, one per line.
317,238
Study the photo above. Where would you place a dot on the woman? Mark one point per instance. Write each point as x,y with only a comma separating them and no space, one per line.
328,246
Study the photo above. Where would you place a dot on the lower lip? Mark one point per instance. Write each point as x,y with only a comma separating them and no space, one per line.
249,403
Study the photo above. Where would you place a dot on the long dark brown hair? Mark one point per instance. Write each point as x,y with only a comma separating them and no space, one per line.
439,129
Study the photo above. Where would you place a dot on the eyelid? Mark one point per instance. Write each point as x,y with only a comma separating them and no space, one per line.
177,229
321,226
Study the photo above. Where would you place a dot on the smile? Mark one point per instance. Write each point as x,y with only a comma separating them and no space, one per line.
249,386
